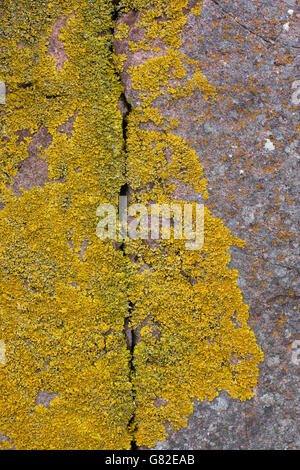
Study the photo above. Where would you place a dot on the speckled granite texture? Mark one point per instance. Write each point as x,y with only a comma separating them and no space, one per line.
248,145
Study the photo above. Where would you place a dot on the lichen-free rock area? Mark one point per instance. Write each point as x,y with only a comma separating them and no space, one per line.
125,344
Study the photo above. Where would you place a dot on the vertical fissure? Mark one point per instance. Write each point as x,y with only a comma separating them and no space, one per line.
129,332
130,336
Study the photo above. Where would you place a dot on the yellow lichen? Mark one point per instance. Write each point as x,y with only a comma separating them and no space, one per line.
63,291
122,31
194,339
65,294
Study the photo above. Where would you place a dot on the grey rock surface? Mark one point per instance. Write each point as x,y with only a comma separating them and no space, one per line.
247,141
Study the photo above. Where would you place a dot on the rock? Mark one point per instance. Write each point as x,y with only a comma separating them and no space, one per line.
244,141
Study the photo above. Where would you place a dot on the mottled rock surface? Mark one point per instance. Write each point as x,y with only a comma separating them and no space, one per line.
247,143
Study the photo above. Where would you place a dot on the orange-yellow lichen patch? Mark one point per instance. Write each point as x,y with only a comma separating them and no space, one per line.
64,294
193,335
